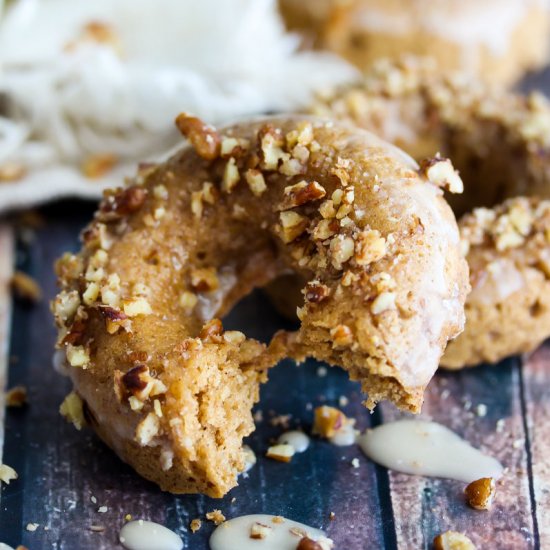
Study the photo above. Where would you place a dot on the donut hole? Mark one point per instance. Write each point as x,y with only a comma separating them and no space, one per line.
260,316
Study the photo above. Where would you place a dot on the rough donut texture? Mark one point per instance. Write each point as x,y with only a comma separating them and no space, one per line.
500,143
160,380
508,309
497,41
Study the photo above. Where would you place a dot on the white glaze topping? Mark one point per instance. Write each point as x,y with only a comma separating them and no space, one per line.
296,439
499,281
59,362
345,436
427,448
148,535
235,534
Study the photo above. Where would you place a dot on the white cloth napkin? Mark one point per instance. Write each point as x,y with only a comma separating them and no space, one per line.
81,79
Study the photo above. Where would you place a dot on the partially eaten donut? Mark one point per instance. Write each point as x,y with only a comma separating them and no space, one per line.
165,257
500,142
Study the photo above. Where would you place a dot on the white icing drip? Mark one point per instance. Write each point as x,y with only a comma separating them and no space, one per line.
4,546
345,436
499,281
249,458
427,448
488,23
210,302
296,439
148,535
235,534
436,294
59,362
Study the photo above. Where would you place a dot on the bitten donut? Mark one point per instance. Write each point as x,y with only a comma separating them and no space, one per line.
500,143
496,40
153,370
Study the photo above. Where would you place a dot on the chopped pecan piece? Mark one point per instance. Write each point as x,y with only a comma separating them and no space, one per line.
25,287
452,540
16,396
316,292
211,329
125,201
302,193
260,530
204,138
136,379
328,421
76,333
216,516
440,172
480,493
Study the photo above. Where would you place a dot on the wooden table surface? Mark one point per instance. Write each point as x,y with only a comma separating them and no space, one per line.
60,469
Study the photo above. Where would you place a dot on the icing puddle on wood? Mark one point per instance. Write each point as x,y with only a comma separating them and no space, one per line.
299,441
148,535
427,449
265,532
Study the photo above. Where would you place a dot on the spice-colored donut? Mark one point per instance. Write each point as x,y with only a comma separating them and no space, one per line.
496,40
500,143
159,379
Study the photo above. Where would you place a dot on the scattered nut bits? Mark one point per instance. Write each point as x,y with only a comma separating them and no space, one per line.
328,421
147,429
25,287
72,410
16,396
322,543
315,292
204,279
7,474
440,172
342,336
282,452
216,516
260,531
480,493
195,525
383,302
302,193
292,225
452,540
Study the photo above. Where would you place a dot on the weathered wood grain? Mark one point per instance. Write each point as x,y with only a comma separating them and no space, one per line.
423,507
6,270
536,388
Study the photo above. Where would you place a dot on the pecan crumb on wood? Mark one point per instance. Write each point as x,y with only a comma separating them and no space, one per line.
16,396
25,287
480,493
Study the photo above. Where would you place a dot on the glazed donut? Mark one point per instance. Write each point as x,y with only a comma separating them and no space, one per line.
500,143
492,39
165,257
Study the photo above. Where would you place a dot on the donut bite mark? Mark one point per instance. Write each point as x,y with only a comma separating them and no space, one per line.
167,256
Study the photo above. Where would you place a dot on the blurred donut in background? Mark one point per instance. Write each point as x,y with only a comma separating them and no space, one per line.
498,40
